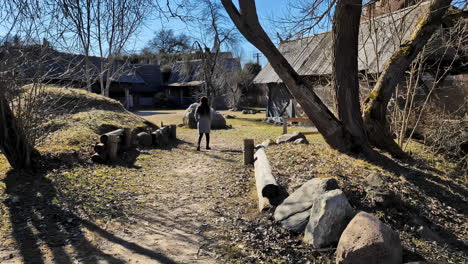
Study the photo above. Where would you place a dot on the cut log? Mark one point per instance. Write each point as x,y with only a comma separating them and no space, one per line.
100,148
144,139
173,132
128,137
162,136
98,158
248,151
166,131
157,138
112,145
119,132
268,190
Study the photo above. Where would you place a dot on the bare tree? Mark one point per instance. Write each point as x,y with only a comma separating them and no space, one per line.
103,28
336,135
375,109
345,78
220,33
166,42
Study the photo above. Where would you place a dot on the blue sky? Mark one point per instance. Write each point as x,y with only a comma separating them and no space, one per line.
266,9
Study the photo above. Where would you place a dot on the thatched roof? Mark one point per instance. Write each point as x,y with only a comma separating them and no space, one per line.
378,39
190,72
36,61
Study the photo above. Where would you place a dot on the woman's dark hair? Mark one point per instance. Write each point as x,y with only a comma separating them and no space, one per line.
204,107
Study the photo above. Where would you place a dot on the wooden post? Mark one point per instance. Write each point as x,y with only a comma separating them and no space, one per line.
248,151
173,132
285,126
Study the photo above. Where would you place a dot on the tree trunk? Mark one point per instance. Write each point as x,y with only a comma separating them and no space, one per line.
12,140
345,30
327,124
375,105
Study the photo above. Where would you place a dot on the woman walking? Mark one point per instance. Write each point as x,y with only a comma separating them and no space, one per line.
203,117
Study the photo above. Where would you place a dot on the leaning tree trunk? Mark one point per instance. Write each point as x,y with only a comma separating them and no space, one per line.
345,30
375,105
12,140
327,124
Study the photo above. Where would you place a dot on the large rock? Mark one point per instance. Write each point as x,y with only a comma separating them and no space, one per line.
301,141
268,142
367,240
290,137
217,120
329,216
294,213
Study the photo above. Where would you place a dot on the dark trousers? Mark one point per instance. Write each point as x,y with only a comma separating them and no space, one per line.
207,139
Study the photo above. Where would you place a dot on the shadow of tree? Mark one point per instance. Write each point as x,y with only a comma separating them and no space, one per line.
37,221
449,192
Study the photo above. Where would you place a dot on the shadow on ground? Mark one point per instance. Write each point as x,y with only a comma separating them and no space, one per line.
37,223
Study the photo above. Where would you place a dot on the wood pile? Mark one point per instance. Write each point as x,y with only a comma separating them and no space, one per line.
120,140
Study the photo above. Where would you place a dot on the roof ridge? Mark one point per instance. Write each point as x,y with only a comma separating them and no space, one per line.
425,2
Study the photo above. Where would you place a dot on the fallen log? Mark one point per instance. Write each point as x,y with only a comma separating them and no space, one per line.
268,190
119,132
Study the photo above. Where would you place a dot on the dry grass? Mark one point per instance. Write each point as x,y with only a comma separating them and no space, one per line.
145,179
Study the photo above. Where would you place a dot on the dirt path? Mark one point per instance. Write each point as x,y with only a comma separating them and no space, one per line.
182,222
190,198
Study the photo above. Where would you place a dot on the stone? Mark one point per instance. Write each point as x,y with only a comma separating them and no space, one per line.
189,116
217,120
230,117
268,142
329,216
290,137
293,212
245,112
376,191
367,240
301,141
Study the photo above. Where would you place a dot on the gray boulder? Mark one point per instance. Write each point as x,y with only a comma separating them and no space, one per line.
328,218
290,137
301,141
367,240
217,120
268,142
294,213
